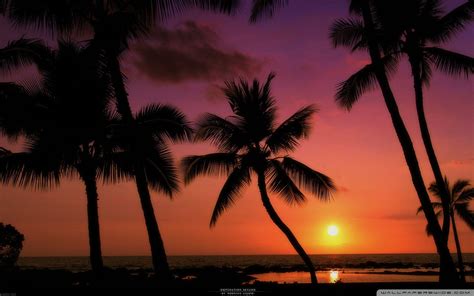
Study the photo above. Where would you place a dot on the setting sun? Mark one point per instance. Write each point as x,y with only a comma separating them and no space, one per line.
333,230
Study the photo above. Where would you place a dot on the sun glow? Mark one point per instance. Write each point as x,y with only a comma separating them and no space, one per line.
333,230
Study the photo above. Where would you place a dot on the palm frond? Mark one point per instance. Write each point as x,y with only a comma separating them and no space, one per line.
466,195
220,132
467,215
210,164
349,91
450,62
253,106
315,182
286,136
115,167
435,205
452,23
265,8
161,172
436,191
281,183
459,186
231,190
347,32
24,52
164,122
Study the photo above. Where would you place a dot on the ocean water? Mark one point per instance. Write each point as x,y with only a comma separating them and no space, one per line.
282,268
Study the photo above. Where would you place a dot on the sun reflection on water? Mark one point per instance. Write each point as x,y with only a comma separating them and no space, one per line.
334,276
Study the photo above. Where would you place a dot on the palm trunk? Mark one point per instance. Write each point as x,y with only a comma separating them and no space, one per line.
158,254
121,95
458,249
425,134
447,265
285,229
90,182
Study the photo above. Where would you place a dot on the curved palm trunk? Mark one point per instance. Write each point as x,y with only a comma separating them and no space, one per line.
90,182
158,254
458,249
159,260
449,274
425,134
285,229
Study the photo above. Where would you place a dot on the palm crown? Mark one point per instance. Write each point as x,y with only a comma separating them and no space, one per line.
249,141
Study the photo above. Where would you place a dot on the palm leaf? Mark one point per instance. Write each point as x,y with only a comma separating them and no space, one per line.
220,132
164,121
459,186
286,136
282,184
450,62
466,195
211,164
231,190
265,8
161,172
463,211
24,52
315,182
347,32
435,205
349,91
452,23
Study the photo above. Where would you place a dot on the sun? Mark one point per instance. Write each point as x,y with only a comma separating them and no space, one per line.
333,230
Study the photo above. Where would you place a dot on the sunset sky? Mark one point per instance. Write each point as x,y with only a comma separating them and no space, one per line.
184,62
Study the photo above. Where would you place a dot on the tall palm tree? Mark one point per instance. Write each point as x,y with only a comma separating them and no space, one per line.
460,194
350,91
250,142
114,23
64,124
416,29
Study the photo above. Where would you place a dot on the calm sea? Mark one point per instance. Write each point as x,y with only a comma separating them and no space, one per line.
344,267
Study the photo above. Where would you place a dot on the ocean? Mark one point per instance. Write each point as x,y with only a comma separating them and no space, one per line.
281,268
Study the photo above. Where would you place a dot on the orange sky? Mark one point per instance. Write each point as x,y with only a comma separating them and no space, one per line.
375,206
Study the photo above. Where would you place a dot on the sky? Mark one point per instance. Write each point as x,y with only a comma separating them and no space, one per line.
184,62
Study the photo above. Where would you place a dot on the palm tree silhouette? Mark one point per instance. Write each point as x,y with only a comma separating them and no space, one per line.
366,33
460,194
145,152
248,142
414,29
114,23
65,128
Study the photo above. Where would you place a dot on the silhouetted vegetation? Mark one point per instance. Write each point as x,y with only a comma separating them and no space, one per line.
11,244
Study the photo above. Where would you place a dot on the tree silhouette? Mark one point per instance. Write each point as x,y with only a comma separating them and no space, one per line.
364,31
249,142
11,244
114,23
64,122
460,194
415,29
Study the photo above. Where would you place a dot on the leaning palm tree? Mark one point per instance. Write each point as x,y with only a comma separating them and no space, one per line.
460,194
368,36
417,29
65,128
146,153
249,142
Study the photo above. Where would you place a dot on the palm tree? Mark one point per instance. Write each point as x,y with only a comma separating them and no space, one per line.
65,131
416,29
367,34
460,194
146,154
114,23
356,33
248,142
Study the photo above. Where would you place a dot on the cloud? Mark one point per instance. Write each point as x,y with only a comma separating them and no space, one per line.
191,51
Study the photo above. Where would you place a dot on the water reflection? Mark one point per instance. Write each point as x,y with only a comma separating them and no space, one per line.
334,276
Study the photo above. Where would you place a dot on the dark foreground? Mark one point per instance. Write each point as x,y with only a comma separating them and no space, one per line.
207,281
